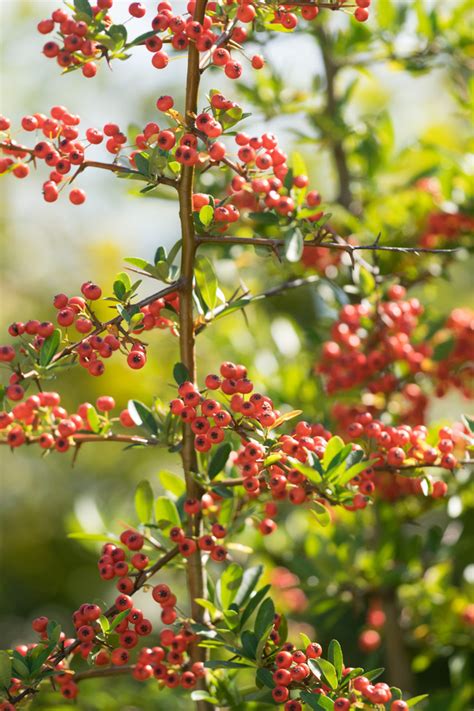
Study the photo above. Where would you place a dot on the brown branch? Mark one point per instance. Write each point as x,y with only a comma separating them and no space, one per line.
117,319
115,168
342,246
331,110
98,673
82,438
112,167
194,568
15,147
238,481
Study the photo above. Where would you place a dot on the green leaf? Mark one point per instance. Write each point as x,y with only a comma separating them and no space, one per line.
335,657
38,656
166,511
265,617
298,164
118,619
310,473
294,243
174,251
374,673
253,603
118,33
366,282
5,669
142,163
53,630
144,501
198,695
232,618
469,423
141,38
172,482
50,347
317,701
333,447
354,470
285,417
223,664
265,678
322,669
264,218
122,285
337,463
229,584
443,350
206,215
249,643
99,537
416,700
208,605
180,373
104,623
249,581
93,419
19,667
219,459
306,639
320,513
142,416
83,6
206,280
139,263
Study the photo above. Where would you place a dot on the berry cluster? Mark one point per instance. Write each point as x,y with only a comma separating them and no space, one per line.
61,151
351,358
91,350
456,368
208,542
77,37
270,466
382,348
43,420
168,663
292,671
442,226
89,34
287,16
397,445
208,418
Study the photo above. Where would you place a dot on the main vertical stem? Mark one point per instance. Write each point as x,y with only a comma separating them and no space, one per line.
195,571
345,197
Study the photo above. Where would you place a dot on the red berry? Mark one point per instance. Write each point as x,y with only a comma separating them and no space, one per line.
136,9
77,197
165,103
89,70
136,360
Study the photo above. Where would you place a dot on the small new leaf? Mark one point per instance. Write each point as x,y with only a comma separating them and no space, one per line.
50,348
144,501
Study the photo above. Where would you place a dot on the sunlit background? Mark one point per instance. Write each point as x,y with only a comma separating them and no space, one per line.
53,248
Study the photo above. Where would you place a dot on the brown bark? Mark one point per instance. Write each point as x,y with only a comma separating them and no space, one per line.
194,571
